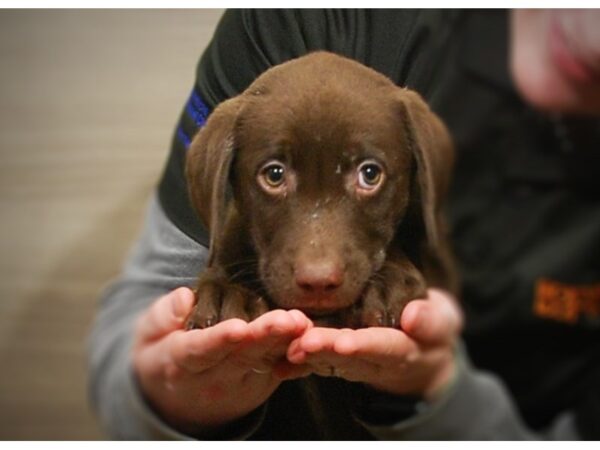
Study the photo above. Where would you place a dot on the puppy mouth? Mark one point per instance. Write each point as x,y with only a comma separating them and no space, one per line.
323,306
312,304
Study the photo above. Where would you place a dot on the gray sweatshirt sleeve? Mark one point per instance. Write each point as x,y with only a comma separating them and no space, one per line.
476,405
161,260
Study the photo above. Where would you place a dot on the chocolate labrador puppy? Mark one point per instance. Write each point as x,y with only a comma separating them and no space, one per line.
321,186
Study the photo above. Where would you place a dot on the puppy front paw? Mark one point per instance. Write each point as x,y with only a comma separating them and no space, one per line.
386,296
218,300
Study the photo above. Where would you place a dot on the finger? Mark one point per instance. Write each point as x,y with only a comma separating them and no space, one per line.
279,323
314,340
437,320
375,345
271,335
364,355
199,350
328,363
165,315
356,355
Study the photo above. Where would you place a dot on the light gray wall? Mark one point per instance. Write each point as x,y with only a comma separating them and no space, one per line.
88,103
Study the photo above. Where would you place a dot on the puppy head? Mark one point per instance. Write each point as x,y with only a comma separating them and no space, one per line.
329,161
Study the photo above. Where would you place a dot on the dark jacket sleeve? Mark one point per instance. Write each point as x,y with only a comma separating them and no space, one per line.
245,44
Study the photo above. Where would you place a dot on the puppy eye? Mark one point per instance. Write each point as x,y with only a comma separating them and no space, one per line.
370,175
272,176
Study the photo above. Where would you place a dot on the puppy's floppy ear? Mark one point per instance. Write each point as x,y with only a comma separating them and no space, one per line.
207,169
432,149
431,145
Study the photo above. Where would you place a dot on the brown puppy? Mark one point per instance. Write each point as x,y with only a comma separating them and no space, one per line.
321,186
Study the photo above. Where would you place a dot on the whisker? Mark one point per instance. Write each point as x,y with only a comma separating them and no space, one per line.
241,273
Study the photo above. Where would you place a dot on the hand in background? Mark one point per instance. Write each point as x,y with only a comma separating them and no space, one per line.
555,58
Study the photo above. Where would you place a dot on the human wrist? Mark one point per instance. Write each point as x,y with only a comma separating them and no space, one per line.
237,428
191,424
442,378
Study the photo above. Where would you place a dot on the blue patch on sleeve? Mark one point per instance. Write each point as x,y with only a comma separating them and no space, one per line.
198,111
183,138
199,108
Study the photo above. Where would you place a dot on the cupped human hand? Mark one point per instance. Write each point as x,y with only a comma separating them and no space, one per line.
202,379
419,360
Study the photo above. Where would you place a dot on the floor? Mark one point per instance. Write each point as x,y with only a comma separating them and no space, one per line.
88,101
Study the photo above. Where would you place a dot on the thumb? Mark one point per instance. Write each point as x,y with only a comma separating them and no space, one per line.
437,320
165,315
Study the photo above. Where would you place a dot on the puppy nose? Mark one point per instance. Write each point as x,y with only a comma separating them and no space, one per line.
319,277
